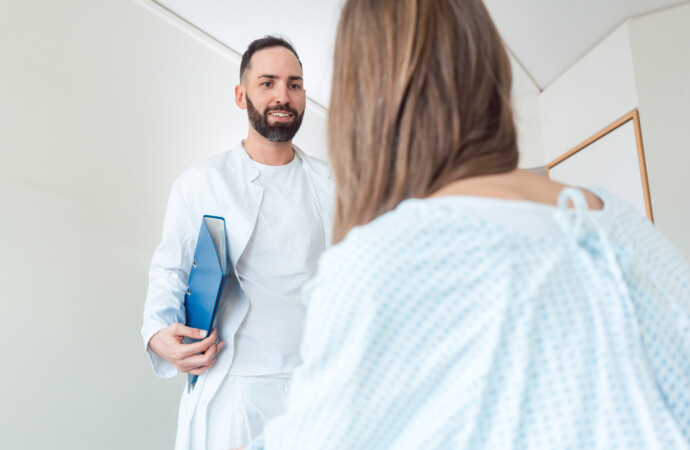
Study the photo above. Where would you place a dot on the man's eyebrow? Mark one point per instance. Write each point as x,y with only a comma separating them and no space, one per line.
275,77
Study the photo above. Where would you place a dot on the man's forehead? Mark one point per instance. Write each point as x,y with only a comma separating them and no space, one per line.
277,61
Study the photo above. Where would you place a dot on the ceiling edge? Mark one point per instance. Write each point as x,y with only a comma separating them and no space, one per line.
206,39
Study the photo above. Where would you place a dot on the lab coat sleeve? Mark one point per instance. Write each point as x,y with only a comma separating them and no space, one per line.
168,276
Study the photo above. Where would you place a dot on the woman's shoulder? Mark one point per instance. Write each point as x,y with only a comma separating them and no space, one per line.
625,226
636,240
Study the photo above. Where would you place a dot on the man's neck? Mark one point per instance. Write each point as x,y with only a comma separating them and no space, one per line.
267,152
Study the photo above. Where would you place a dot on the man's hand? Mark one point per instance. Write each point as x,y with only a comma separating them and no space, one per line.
193,358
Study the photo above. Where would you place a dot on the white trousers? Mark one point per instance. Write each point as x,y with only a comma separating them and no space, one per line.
238,411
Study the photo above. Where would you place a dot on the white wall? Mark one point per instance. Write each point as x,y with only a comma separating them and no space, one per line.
102,105
527,113
643,64
661,57
597,90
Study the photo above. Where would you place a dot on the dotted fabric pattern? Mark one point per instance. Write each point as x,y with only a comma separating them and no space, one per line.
430,328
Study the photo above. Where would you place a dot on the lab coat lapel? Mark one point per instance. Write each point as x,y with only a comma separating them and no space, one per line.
321,184
251,194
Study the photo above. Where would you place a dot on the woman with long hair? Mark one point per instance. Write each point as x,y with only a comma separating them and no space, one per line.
467,303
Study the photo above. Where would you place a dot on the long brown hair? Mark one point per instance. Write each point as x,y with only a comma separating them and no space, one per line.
421,98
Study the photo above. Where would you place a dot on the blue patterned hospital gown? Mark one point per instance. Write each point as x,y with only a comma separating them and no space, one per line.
432,328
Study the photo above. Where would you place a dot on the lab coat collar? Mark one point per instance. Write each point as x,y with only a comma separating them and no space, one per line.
319,169
251,173
249,170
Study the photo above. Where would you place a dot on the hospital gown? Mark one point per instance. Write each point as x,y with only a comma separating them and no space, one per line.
433,328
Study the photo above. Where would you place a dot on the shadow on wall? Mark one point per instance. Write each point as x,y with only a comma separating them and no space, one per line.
79,374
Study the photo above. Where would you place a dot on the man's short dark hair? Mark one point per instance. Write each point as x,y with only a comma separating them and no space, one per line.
260,44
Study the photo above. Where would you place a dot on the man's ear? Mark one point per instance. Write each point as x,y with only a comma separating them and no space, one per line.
240,96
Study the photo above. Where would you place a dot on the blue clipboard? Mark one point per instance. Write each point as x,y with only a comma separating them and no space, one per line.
206,278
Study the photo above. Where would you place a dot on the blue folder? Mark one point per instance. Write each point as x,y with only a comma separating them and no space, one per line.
206,278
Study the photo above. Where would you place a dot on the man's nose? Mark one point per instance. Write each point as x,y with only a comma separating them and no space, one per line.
281,94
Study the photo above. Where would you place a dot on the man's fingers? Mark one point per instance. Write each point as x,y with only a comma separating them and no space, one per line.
167,344
203,359
194,333
199,359
199,364
201,346
183,351
199,370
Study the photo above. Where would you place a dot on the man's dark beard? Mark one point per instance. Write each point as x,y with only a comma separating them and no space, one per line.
280,132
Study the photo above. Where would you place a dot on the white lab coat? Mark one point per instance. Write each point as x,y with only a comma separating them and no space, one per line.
224,186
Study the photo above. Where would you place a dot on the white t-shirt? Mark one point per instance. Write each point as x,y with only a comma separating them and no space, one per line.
281,256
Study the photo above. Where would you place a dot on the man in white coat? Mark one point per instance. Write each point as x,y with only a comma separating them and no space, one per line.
277,203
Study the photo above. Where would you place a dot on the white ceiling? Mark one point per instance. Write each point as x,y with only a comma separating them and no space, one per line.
544,37
548,36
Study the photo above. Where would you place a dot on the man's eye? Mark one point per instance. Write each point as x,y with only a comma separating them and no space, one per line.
295,86
266,84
